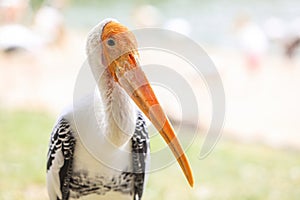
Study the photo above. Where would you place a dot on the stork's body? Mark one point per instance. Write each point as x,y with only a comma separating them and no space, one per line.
86,175
99,149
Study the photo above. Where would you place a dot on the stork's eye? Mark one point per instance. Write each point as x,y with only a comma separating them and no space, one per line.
111,42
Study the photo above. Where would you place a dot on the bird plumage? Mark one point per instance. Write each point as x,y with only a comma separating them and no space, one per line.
60,160
71,176
99,148
116,169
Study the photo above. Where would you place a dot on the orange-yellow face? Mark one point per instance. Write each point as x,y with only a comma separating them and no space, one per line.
120,55
119,49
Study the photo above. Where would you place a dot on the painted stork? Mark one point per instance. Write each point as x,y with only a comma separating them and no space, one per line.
73,172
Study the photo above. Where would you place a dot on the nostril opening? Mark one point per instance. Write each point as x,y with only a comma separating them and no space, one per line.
132,59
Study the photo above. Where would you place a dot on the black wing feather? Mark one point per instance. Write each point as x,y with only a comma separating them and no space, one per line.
63,139
140,143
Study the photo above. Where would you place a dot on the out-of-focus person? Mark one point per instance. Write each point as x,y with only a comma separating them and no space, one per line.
252,41
12,11
293,41
291,47
49,21
285,34
14,35
49,24
47,28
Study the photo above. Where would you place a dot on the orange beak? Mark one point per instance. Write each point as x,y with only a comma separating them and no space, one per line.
131,77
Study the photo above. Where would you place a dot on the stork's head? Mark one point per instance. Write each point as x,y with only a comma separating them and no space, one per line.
113,46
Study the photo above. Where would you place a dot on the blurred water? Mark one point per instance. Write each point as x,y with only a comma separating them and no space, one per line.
211,21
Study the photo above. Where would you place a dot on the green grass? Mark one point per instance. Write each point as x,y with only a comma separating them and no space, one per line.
232,171
24,139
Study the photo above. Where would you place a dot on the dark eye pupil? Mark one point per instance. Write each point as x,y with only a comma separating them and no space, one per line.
111,42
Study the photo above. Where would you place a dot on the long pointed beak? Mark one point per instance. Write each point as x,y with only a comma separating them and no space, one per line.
137,86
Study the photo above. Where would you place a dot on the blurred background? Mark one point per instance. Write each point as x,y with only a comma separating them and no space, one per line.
255,46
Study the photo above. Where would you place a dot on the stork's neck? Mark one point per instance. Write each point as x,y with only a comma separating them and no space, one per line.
119,112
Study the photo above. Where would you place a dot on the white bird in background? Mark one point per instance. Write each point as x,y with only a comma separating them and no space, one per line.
99,149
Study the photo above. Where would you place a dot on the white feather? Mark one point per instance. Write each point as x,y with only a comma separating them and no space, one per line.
53,182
